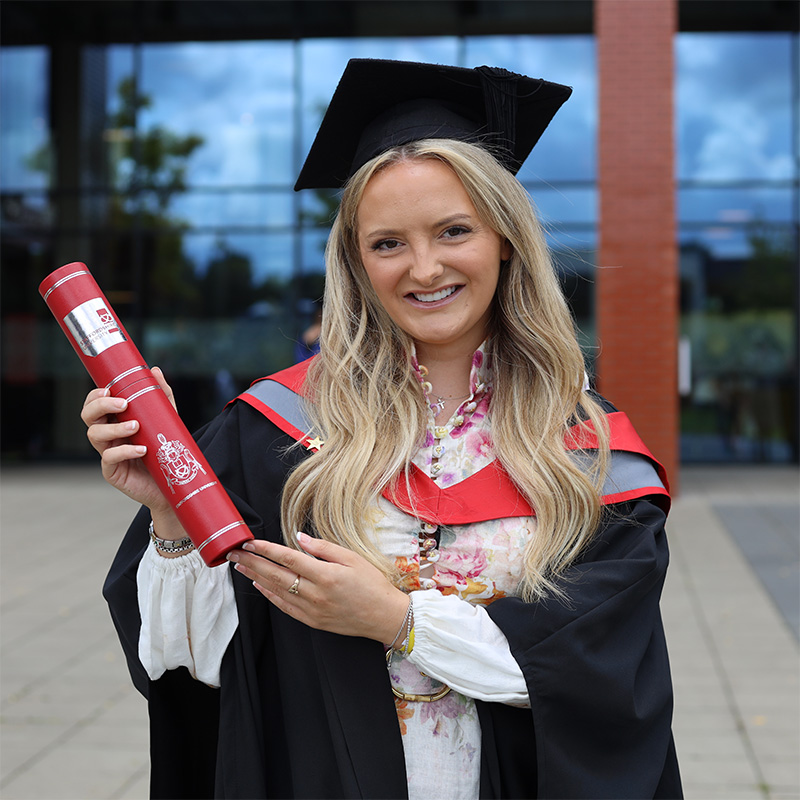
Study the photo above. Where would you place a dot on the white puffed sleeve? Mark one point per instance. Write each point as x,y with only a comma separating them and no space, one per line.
457,643
188,615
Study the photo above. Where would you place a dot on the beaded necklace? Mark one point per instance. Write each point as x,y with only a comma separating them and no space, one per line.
429,533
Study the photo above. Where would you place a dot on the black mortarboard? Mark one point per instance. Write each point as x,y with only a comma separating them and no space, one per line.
380,104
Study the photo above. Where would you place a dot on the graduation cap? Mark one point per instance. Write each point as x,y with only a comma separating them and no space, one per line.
380,104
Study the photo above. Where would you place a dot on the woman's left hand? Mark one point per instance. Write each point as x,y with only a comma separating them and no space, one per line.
335,589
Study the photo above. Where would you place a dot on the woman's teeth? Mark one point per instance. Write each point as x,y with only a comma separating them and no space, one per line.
432,298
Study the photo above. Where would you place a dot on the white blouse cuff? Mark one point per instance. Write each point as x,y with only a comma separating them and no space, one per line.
188,615
457,643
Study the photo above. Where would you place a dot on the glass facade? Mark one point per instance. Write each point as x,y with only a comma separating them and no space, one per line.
737,148
168,169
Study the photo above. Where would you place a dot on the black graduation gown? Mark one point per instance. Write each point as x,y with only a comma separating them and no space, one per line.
310,714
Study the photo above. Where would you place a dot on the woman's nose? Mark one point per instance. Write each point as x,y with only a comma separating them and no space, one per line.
425,268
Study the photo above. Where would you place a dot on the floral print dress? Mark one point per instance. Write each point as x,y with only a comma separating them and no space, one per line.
477,563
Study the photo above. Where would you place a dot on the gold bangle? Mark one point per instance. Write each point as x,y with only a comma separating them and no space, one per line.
422,698
416,698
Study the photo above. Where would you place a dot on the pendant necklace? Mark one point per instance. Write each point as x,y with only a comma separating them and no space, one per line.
440,403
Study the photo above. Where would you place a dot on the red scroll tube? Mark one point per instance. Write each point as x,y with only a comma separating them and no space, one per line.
173,459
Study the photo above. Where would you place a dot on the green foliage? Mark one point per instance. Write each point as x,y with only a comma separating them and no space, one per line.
151,161
227,286
768,280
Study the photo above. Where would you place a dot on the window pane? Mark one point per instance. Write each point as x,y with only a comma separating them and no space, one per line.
25,157
734,106
237,96
738,264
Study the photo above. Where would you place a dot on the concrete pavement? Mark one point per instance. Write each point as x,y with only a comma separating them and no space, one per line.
73,727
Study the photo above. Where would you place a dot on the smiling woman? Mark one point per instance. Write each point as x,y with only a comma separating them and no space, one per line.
445,515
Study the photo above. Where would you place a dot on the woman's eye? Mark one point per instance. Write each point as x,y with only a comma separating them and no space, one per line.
456,230
386,244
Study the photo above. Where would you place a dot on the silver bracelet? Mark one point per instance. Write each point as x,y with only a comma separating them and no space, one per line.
408,622
170,546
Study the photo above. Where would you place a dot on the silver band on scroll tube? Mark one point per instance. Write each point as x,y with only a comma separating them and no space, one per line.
64,280
220,532
125,375
142,391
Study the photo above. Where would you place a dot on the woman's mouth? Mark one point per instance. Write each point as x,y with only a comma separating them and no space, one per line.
434,296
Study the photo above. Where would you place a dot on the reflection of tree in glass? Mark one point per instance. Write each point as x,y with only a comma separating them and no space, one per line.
148,168
151,161
739,316
769,275
227,286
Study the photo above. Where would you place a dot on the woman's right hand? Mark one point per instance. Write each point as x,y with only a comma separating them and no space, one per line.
121,460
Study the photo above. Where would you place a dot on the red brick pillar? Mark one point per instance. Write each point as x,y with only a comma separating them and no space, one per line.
637,276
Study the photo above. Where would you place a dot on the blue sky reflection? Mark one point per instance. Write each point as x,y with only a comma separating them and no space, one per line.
257,106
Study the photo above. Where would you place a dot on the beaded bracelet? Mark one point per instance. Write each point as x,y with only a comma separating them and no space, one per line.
169,546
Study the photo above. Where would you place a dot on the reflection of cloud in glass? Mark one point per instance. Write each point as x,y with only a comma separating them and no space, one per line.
735,205
733,98
238,96
572,205
23,114
209,209
734,106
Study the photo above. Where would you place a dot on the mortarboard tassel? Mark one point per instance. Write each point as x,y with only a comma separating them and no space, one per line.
500,98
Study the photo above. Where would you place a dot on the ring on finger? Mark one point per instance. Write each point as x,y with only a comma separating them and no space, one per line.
295,587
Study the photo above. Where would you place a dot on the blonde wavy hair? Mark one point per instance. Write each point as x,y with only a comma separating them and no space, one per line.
367,405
